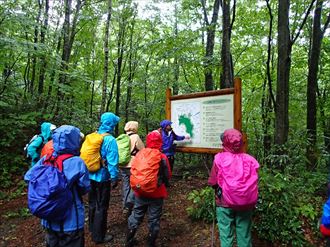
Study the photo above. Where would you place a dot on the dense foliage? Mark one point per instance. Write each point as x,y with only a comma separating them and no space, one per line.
52,61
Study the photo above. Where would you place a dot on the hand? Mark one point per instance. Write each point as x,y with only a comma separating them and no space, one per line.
187,137
114,184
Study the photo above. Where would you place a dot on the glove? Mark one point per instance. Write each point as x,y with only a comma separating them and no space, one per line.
114,184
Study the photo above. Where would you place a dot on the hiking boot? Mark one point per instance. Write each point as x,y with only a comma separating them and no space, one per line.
127,212
152,239
107,238
130,241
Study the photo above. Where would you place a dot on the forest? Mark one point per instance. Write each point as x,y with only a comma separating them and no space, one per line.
69,61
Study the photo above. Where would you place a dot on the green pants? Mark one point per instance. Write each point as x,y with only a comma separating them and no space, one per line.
228,220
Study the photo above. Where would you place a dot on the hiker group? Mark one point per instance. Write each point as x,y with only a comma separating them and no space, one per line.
73,165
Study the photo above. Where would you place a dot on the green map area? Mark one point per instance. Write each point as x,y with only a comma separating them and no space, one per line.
186,121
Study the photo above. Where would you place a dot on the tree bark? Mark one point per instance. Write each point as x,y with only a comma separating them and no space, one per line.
176,62
268,101
43,62
285,44
120,57
283,74
226,78
35,42
313,66
106,58
132,63
209,50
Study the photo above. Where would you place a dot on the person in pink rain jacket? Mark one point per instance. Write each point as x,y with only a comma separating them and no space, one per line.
234,176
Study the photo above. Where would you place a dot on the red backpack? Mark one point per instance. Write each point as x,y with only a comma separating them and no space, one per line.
145,170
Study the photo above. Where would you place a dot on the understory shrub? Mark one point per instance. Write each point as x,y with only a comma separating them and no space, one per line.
203,204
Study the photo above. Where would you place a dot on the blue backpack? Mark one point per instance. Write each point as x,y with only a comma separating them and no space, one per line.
49,195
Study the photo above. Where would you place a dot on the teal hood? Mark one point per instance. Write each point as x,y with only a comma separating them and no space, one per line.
46,131
108,122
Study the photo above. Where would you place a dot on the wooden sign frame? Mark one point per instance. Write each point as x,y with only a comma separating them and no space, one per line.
237,93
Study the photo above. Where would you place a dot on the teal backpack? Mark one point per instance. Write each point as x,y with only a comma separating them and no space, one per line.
124,149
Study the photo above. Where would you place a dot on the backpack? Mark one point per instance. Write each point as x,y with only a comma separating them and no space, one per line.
325,219
90,151
124,149
238,179
47,149
145,170
28,144
49,195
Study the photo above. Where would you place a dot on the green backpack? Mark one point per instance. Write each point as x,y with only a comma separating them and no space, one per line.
124,149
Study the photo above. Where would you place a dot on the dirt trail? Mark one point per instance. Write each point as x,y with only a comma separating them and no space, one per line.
176,228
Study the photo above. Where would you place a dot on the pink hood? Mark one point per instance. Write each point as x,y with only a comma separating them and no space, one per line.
232,141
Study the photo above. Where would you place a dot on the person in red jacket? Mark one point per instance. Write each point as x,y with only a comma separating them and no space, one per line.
152,202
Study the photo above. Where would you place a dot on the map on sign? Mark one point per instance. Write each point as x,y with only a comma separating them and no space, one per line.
203,119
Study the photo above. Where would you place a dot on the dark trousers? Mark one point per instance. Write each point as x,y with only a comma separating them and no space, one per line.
99,197
146,205
171,161
65,239
127,192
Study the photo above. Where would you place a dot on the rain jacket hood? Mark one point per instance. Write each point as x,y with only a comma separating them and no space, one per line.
66,139
108,122
46,131
154,140
164,123
232,141
131,127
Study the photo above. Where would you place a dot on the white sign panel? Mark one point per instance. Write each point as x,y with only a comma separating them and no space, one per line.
204,119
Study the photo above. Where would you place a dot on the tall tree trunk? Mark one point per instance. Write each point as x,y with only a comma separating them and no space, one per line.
283,74
43,62
120,57
209,50
35,41
132,63
176,63
268,101
106,58
146,114
227,78
285,44
66,41
69,32
313,66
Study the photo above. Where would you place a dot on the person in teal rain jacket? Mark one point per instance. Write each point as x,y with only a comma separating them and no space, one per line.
34,148
103,180
70,232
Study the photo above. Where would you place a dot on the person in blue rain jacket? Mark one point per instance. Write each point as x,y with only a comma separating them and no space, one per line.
70,232
103,180
34,148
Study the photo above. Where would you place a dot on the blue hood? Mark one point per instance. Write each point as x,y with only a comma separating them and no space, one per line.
108,122
66,140
164,123
45,131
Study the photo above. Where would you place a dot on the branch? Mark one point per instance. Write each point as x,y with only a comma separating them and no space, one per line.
8,74
234,15
243,50
326,25
303,23
204,12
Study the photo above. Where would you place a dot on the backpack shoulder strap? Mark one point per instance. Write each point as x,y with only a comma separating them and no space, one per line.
43,139
57,161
